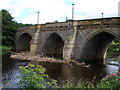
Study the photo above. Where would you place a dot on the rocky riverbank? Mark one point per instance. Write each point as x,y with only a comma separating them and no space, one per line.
41,58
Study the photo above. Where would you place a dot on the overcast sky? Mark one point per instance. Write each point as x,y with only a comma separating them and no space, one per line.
25,11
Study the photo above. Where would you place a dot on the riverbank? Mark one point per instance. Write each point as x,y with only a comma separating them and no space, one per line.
41,58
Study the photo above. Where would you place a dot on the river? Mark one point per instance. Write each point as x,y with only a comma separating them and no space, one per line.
60,72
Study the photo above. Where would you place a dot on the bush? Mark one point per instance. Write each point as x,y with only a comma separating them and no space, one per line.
33,76
110,81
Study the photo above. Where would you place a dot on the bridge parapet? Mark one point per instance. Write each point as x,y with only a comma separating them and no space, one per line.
26,28
98,23
77,24
54,26
82,24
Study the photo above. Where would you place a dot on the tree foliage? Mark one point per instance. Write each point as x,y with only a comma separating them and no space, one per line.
115,46
8,28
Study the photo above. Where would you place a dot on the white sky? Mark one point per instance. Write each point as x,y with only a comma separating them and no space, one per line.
25,11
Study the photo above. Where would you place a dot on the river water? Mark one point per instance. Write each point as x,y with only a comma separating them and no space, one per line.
60,72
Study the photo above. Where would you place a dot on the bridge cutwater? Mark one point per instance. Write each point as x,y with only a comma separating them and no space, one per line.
84,40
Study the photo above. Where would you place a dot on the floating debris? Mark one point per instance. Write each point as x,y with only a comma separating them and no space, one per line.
41,58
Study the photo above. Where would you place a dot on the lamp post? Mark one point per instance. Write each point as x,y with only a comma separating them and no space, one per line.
38,17
37,25
73,11
102,15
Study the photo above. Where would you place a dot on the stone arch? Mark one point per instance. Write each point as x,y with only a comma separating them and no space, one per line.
53,46
47,35
95,47
19,33
100,31
23,42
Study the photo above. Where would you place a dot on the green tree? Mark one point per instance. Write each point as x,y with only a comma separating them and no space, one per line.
8,28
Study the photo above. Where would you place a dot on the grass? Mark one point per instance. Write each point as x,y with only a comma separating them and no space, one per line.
5,49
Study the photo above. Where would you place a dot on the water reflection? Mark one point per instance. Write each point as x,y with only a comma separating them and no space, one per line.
61,72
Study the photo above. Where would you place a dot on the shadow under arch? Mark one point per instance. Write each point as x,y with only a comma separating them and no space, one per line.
23,43
95,48
53,46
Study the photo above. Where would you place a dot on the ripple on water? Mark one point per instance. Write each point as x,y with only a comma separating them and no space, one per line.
55,70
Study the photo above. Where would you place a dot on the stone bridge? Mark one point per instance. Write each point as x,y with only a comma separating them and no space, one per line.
84,40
